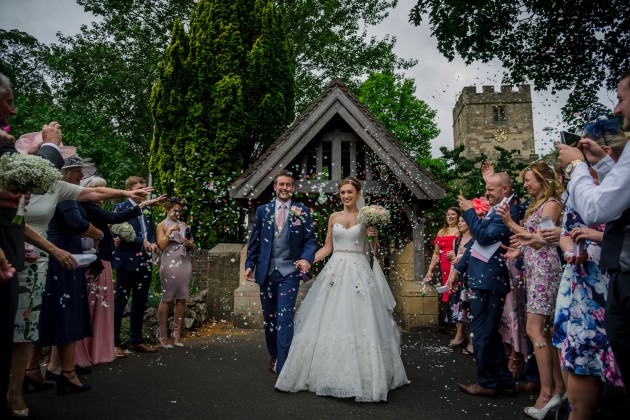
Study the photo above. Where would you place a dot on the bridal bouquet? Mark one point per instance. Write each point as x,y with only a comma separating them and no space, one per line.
373,216
26,173
125,231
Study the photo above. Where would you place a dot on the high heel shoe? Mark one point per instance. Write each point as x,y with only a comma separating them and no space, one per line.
162,339
177,337
22,413
35,384
553,403
64,384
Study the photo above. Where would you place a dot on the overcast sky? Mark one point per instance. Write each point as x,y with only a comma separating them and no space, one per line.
438,81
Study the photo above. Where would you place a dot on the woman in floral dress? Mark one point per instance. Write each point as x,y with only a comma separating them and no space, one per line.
579,330
542,271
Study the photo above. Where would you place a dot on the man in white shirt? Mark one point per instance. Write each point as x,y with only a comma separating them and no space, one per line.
608,202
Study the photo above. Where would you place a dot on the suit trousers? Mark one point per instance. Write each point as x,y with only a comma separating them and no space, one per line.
486,308
134,284
617,321
278,295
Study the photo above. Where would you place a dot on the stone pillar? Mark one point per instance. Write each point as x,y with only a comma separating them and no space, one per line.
247,309
222,278
416,302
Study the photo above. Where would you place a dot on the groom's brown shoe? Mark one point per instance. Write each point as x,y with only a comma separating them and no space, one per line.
478,390
272,365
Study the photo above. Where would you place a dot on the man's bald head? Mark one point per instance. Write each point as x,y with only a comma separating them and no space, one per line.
498,187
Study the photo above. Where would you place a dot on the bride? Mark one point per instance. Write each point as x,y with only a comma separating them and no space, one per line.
346,343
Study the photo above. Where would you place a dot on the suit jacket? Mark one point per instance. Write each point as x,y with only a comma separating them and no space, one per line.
101,219
128,255
12,236
302,239
492,275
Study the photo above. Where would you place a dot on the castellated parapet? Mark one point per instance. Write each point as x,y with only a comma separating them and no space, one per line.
482,120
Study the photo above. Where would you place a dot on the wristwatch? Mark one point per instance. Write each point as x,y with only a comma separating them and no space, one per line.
572,165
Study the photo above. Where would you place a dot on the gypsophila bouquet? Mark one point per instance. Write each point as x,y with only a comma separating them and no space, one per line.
125,231
373,216
26,173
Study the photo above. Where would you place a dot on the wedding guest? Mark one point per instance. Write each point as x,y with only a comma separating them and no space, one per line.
32,278
132,262
100,348
488,279
443,255
65,315
12,236
579,329
175,241
542,271
458,301
608,203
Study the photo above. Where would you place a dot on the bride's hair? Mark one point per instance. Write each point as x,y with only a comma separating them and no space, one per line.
352,181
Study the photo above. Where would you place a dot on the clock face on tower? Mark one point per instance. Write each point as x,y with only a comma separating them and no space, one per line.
501,135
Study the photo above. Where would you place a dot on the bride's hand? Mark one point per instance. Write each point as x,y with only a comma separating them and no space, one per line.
372,231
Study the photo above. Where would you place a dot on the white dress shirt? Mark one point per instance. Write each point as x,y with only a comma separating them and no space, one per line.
602,203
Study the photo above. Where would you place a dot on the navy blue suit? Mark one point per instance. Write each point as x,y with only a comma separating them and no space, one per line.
133,276
489,284
278,293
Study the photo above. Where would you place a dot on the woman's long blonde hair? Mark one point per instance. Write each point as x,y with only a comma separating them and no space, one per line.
552,188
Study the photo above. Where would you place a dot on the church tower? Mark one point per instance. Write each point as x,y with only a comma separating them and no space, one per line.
487,119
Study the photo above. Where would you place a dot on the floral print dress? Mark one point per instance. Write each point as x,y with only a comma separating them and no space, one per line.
579,329
542,270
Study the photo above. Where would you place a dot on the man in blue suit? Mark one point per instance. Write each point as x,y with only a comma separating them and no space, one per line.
488,279
132,262
281,245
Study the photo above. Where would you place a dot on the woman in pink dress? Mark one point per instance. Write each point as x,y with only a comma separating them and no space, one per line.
444,254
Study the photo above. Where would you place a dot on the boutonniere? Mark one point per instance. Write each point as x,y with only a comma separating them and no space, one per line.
295,211
146,212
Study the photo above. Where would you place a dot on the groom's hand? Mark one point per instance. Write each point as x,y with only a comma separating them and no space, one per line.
303,265
248,274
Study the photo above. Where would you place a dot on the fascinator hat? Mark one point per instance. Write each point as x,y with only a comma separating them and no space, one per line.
76,161
32,141
601,127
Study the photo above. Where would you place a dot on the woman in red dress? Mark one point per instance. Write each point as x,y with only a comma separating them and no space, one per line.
444,254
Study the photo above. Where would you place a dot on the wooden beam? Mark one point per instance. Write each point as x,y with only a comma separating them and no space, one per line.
336,156
319,161
353,158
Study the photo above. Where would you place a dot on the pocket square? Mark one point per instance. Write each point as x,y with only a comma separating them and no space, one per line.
297,222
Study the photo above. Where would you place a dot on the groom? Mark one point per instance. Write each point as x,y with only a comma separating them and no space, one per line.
281,245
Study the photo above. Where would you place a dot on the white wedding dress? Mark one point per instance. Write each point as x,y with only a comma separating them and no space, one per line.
346,343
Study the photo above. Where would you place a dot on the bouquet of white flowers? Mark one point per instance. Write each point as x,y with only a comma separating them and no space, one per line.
26,173
125,231
373,216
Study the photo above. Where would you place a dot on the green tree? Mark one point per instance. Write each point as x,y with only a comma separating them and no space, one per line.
330,40
410,120
239,95
461,175
570,44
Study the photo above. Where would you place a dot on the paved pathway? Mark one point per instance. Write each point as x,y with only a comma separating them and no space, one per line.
225,376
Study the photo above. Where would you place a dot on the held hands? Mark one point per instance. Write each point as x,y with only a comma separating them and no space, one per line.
303,265
149,247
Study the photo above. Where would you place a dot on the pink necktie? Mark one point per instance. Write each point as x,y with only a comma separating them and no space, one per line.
280,218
